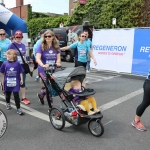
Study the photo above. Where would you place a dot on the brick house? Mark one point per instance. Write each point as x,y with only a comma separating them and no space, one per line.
72,5
21,10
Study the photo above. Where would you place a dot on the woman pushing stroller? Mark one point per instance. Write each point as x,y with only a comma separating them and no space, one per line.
47,53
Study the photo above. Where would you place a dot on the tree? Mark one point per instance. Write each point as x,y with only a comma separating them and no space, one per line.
35,25
100,13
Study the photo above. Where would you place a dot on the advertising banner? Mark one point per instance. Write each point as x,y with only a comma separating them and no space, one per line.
141,55
113,49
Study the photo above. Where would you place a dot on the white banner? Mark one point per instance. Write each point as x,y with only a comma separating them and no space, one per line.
113,49
5,14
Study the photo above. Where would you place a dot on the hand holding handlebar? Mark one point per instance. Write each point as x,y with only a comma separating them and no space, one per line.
46,66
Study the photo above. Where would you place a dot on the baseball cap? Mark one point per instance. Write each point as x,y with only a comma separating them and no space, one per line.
18,33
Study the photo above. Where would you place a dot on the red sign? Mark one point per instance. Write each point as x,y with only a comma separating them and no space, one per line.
82,2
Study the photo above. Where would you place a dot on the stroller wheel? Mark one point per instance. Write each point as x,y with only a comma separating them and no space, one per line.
57,118
96,127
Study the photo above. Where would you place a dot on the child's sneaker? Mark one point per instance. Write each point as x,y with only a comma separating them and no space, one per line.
8,106
19,111
41,99
91,113
138,125
37,78
97,110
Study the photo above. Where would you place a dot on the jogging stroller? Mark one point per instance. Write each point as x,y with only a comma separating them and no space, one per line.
57,81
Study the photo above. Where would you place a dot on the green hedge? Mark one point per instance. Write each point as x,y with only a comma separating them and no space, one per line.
36,25
129,13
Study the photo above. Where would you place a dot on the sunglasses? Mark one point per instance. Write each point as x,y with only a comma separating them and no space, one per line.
83,36
2,34
49,36
18,37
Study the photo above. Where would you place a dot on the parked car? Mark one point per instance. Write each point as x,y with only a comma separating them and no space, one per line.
67,36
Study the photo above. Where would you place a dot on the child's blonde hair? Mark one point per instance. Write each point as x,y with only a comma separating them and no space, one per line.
12,51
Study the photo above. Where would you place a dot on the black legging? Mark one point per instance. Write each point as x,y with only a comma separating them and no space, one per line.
16,97
35,64
146,99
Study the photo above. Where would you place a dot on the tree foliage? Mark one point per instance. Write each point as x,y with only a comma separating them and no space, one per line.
129,13
35,25
39,15
100,13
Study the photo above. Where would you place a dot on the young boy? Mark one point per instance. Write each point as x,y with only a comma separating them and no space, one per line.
12,79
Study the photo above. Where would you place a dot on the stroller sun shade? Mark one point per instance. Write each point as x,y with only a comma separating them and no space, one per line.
66,75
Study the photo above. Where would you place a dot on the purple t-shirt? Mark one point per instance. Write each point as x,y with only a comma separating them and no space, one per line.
47,57
22,49
76,98
12,71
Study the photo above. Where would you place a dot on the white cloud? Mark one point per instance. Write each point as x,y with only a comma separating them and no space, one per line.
10,5
28,1
38,6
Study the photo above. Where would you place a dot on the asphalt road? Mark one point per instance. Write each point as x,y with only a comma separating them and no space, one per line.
117,96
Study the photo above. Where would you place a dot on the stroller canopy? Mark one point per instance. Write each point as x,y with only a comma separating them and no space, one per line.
61,77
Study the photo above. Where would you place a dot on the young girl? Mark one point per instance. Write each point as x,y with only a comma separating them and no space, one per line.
83,100
12,78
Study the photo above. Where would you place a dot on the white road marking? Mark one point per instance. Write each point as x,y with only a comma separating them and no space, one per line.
95,78
120,100
108,122
104,107
31,111
94,75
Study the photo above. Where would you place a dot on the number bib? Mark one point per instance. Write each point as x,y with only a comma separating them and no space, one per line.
50,62
11,82
82,52
4,55
19,59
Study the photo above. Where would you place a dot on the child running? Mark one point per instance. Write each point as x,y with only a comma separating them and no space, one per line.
12,79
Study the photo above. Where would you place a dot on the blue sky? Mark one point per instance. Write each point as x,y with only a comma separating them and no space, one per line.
52,6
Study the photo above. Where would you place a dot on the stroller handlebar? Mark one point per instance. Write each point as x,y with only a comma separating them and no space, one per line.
53,68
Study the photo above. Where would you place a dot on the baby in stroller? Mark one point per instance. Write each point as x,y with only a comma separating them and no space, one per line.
87,102
75,100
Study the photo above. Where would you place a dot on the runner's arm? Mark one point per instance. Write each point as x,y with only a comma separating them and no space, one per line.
92,56
58,61
65,48
21,79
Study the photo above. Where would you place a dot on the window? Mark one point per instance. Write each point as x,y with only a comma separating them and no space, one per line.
72,10
74,1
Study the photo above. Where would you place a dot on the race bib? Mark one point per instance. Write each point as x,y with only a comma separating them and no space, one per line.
82,53
19,59
11,82
50,62
4,55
